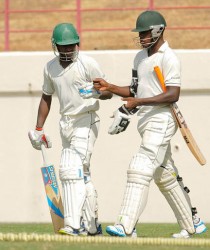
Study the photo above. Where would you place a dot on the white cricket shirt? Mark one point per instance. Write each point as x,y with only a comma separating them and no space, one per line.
148,84
65,83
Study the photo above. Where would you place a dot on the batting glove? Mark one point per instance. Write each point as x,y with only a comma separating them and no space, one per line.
88,91
121,120
37,138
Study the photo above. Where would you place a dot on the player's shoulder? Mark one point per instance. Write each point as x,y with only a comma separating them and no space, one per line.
169,52
86,58
87,61
52,62
170,57
141,55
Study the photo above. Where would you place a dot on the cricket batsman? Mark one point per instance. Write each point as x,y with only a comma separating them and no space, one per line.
70,76
156,127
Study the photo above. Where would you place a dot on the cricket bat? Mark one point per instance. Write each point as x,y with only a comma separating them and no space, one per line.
184,129
52,192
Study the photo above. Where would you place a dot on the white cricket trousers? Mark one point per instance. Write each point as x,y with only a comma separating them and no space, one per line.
79,133
156,131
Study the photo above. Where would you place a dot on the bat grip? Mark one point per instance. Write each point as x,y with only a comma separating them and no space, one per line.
160,78
44,155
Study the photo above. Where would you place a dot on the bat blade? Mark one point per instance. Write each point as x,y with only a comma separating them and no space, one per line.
53,196
187,135
184,129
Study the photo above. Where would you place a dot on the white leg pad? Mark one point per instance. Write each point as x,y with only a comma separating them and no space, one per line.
74,197
74,190
135,199
90,209
167,182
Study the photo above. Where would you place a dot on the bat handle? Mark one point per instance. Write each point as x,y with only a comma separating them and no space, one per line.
44,155
160,77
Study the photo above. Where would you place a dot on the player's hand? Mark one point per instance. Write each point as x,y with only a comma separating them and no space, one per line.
128,111
100,84
132,102
88,91
38,137
120,122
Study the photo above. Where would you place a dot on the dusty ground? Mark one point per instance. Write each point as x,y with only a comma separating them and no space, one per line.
178,39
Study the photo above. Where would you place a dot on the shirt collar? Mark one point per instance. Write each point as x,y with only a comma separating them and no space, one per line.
163,47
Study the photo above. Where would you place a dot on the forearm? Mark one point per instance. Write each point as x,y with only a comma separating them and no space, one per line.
155,100
101,85
41,118
121,91
43,111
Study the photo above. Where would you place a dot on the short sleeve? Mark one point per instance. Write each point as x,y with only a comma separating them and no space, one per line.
172,70
47,87
94,70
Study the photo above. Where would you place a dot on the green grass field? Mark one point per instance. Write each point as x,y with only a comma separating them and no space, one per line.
150,236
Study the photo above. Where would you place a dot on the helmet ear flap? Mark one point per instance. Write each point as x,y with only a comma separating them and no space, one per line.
157,30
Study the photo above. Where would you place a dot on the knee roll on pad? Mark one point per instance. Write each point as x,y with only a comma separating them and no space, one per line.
167,182
71,166
138,177
135,198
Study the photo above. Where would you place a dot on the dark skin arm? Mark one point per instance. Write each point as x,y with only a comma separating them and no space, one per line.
102,85
170,96
44,109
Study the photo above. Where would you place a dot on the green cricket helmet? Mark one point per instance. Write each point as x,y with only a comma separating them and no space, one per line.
65,34
150,21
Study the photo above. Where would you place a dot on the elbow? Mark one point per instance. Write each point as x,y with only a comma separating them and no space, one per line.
175,99
172,94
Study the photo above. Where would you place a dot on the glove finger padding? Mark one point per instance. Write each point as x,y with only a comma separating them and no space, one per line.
46,141
38,138
88,91
120,123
